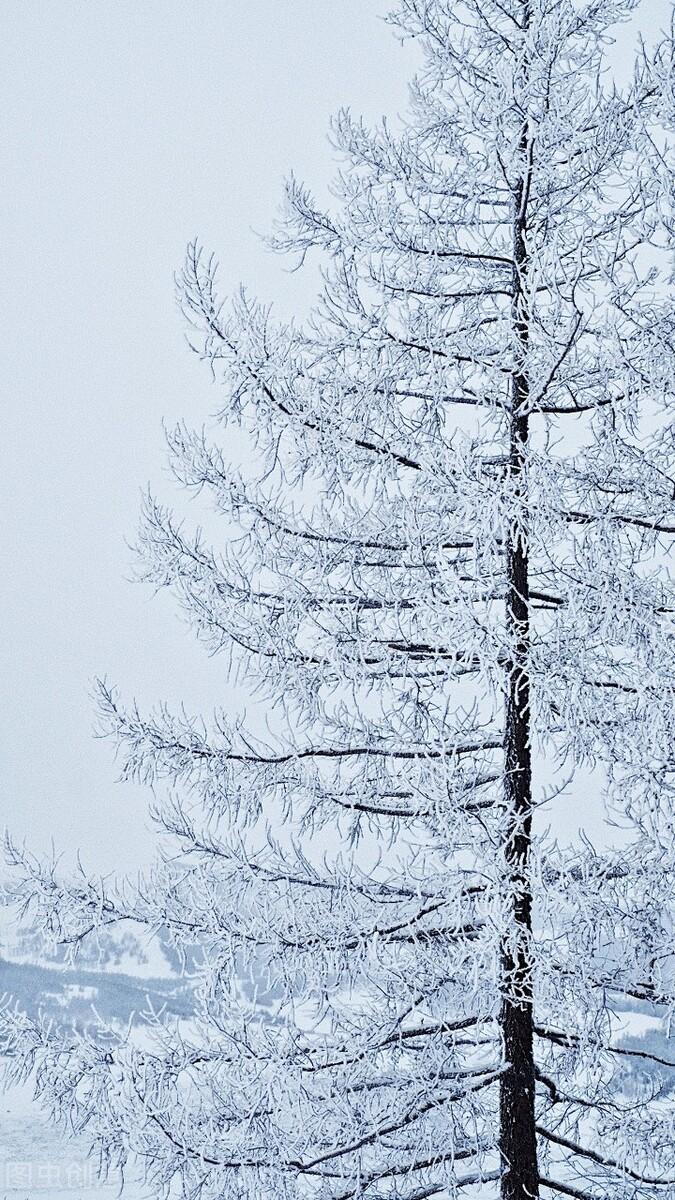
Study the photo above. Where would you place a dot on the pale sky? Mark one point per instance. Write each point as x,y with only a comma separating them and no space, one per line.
129,126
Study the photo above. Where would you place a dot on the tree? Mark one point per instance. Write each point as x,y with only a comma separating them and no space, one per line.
447,574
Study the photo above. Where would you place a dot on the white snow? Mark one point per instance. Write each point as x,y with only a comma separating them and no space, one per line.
39,1160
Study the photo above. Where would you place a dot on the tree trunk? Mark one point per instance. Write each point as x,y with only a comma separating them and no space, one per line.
517,1134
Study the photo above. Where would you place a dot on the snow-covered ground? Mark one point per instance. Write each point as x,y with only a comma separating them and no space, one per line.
38,1161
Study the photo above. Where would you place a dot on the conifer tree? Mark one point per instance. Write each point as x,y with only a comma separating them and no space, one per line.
444,567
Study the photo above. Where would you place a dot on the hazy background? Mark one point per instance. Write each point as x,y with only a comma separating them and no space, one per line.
129,126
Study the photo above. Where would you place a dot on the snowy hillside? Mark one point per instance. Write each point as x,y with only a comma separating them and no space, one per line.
67,995
37,1159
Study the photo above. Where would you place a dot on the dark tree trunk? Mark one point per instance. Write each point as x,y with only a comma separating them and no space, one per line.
517,1135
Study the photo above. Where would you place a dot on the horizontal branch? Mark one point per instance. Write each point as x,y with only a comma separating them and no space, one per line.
473,401
464,255
435,1189
566,1189
409,1168
568,1040
390,932
417,813
583,518
572,409
338,752
601,1160
399,1035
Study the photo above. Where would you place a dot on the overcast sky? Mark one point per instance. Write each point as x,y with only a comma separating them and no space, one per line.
129,126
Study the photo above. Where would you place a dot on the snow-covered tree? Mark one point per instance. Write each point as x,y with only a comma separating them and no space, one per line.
444,565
